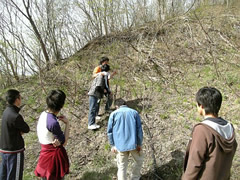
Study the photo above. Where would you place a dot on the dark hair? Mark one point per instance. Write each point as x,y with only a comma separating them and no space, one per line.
55,100
210,98
119,102
105,68
12,95
103,59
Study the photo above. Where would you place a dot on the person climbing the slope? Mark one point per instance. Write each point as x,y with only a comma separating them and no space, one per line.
97,70
98,89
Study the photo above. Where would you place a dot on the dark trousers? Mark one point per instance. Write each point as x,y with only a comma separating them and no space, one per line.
109,101
11,167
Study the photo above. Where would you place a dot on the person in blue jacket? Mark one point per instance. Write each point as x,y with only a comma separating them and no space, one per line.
125,137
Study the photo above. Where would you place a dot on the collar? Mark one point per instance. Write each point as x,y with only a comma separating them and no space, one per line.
17,109
217,120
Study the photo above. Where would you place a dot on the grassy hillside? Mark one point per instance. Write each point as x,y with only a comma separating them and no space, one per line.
160,68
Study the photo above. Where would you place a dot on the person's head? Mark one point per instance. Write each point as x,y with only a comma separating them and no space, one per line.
209,99
105,68
55,100
13,97
104,60
119,102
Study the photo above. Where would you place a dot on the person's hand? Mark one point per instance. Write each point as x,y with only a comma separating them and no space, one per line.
56,143
115,72
63,119
114,149
138,148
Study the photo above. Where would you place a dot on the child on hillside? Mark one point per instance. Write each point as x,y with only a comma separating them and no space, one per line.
210,153
53,163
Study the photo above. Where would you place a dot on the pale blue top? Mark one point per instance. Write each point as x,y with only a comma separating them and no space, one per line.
125,129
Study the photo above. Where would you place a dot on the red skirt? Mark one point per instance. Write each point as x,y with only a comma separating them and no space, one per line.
53,162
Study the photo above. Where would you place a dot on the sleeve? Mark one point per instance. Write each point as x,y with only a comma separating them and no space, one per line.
139,130
197,152
56,130
110,130
21,125
96,70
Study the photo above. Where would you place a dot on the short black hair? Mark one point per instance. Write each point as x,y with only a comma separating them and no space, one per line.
55,100
103,59
210,98
12,95
105,68
119,102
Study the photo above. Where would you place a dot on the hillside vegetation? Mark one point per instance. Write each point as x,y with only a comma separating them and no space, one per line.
159,67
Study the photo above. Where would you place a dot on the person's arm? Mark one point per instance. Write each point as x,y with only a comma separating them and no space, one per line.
66,131
54,127
96,71
139,132
21,125
110,130
197,153
112,74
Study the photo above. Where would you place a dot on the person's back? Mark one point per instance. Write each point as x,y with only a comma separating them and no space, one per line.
12,125
125,122
100,83
125,136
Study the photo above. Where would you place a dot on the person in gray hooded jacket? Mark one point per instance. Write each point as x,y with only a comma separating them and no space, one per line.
98,88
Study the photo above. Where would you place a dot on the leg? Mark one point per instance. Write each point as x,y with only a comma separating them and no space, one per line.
15,166
122,163
92,110
109,102
138,158
98,106
3,168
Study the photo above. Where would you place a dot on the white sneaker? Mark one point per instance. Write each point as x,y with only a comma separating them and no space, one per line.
97,117
94,126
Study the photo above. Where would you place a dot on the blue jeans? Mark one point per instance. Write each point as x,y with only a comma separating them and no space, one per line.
12,166
93,109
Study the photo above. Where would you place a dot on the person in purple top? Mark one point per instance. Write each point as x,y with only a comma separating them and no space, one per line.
53,162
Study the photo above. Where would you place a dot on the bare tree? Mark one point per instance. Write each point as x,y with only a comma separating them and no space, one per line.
28,15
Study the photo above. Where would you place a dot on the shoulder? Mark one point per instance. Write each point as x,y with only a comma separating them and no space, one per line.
52,120
97,69
11,113
133,111
200,127
201,131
